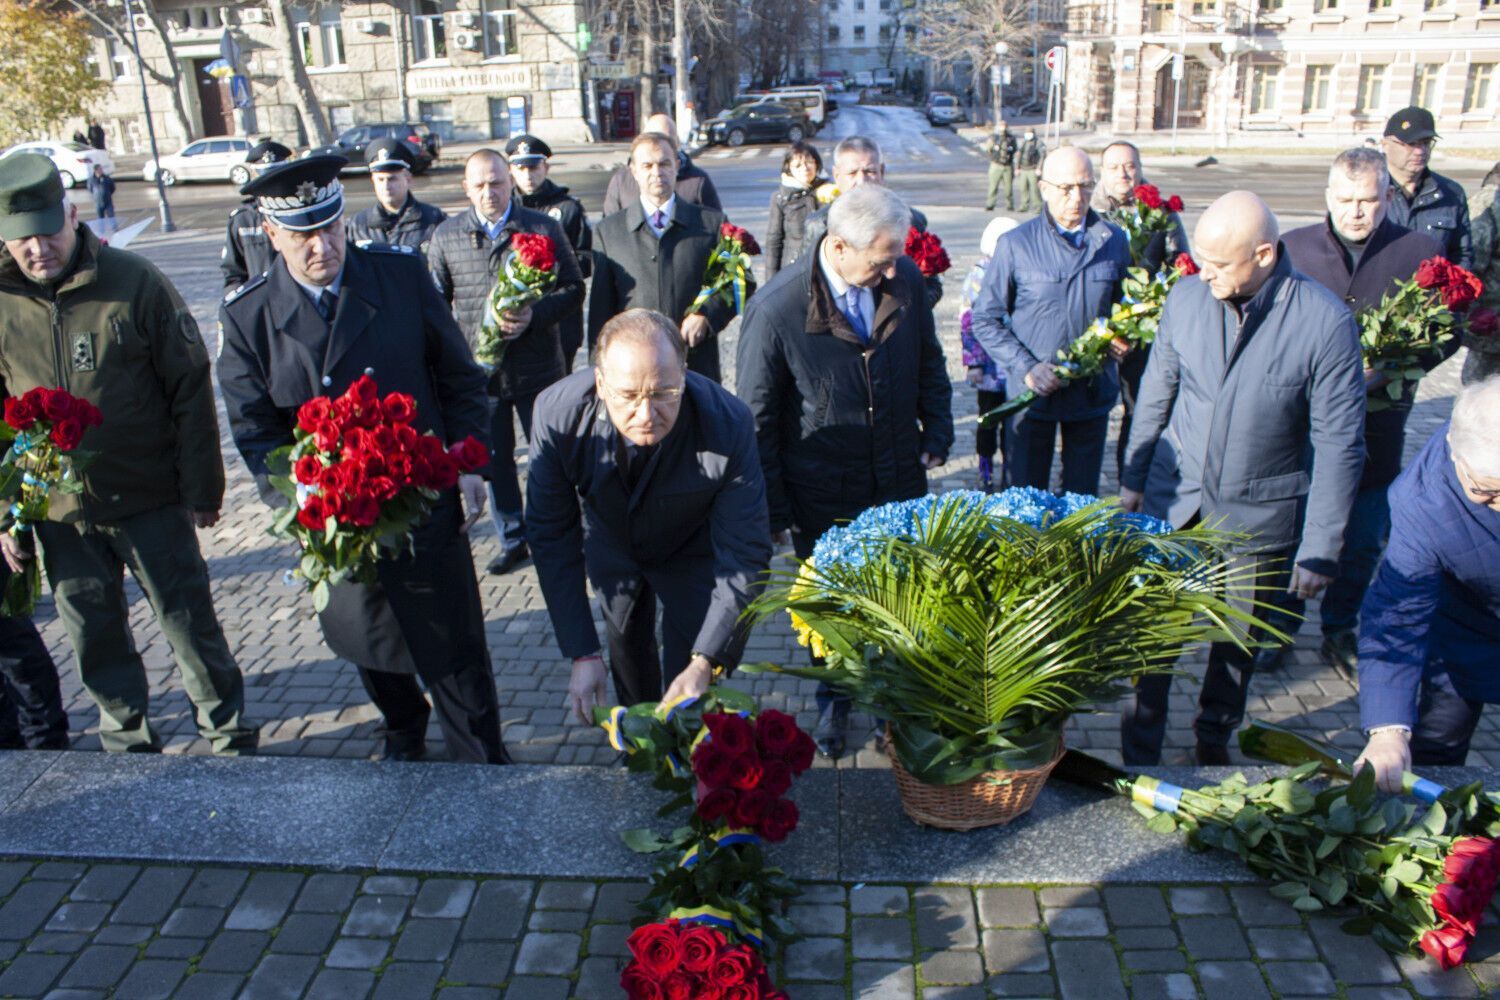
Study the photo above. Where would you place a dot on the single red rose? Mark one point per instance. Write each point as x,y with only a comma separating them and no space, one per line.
382,488
746,241
638,984
1432,272
1453,905
712,764
775,733
731,732
314,412
334,506
326,437
734,965
57,404
358,442
398,465
926,250
801,756
752,805
398,407
407,438
311,516
717,804
308,471
745,772
66,433
470,453
535,250
742,991
779,821
680,986
699,946
1148,195
364,393
363,511
1174,203
1461,289
1484,323
775,777
88,414
1448,945
656,948
1185,263
19,414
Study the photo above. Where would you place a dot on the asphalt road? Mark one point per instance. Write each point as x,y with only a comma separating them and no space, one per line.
939,171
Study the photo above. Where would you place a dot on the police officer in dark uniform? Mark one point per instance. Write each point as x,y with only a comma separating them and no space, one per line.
528,159
397,217
247,251
326,313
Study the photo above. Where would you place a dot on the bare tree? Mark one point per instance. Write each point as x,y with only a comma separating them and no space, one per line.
773,33
649,22
110,19
286,40
954,33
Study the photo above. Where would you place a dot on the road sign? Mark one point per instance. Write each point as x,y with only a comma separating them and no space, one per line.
1177,66
1056,59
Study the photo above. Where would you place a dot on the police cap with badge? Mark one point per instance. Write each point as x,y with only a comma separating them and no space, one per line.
390,154
267,152
525,149
1412,125
300,195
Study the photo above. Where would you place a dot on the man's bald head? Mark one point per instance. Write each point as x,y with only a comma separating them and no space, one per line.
663,125
1067,185
1235,245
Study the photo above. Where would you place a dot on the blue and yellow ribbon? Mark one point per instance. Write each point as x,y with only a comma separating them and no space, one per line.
1156,794
712,916
720,838
611,727
667,709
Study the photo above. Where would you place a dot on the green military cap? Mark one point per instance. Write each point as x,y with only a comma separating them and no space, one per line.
31,197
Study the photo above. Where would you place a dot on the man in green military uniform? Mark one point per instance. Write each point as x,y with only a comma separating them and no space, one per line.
1002,150
108,327
1029,161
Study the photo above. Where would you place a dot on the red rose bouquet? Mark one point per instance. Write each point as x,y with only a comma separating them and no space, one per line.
1411,325
44,428
727,275
743,768
1148,215
361,479
928,253
677,960
528,272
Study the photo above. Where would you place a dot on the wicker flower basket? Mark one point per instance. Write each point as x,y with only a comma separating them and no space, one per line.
988,799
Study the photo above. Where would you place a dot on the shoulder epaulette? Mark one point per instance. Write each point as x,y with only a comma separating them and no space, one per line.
255,282
375,247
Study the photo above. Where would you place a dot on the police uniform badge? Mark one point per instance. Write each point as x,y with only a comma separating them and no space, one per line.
555,211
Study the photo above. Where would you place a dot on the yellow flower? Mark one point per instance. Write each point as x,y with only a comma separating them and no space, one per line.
806,635
826,194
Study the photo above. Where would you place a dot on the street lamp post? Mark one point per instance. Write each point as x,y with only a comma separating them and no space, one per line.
140,65
998,79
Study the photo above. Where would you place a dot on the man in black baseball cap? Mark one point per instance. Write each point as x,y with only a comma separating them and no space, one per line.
397,217
247,252
1420,199
528,157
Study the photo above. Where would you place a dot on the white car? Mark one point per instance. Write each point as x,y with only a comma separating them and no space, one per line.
74,162
217,159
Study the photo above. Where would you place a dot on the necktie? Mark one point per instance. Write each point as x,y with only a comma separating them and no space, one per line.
855,314
328,304
658,220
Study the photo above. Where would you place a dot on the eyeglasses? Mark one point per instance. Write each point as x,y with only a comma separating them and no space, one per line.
635,397
1466,478
1427,143
1069,190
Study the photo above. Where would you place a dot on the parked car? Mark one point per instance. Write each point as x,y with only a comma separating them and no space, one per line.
884,80
762,121
833,80
943,109
218,159
353,141
73,160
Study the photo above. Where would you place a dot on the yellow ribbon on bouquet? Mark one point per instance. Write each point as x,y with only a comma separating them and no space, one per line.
715,917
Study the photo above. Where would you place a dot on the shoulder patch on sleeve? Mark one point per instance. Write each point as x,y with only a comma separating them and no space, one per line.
254,282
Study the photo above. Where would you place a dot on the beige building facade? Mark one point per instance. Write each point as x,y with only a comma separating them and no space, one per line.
459,65
1273,72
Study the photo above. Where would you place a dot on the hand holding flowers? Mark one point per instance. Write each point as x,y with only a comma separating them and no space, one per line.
528,272
1412,324
727,276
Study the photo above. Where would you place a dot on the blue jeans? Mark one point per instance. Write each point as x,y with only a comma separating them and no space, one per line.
1365,535
505,483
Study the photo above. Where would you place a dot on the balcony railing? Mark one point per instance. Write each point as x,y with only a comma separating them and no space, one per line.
1185,17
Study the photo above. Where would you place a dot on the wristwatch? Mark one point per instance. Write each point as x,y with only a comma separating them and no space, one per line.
716,668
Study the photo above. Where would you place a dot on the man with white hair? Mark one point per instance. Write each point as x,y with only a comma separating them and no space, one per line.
1430,631
842,369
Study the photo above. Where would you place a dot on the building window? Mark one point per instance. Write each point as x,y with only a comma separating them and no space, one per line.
499,29
332,30
1317,89
1424,85
1371,93
1161,15
304,43
833,32
439,117
859,6
1205,8
428,40
118,60
1263,81
1381,6
859,32
885,4
1325,6
1434,4
1269,6
1477,92
885,32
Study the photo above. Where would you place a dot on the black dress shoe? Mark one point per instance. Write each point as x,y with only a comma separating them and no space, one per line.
1271,658
1212,755
405,753
832,731
508,560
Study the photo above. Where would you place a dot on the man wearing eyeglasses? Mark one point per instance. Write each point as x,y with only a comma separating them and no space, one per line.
1430,625
1422,200
645,481
1049,280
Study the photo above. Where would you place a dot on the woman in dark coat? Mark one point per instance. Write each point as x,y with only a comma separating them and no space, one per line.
792,203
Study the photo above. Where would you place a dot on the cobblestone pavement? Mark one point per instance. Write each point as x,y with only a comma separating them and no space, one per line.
310,703
75,932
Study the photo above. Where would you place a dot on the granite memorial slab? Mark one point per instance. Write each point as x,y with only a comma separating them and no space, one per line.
19,769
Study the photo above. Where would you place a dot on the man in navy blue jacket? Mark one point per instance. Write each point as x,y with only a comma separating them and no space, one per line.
1430,626
1047,283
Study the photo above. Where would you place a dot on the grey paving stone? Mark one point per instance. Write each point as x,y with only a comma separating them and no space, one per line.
391,885
608,939
151,980
499,910
403,980
815,958
954,966
192,921
616,902
235,951
886,900
122,934
884,981
99,966
1087,970
357,953
443,898
264,902
1146,937
1171,986
1231,981
326,892
1258,908
1136,906
547,954
1155,960
1430,981
823,893
28,908
1075,921
375,916
1006,907
821,918
152,896
1069,895
306,933
209,986
103,883
59,871
1022,985
1198,900
1355,960
1281,944
170,948
341,984
1015,950
78,917
945,917
557,920
565,896
30,975
881,937
1211,938
280,977
481,963
1377,993
75,995
63,942
476,993
599,979
1293,978
426,940
537,988
216,887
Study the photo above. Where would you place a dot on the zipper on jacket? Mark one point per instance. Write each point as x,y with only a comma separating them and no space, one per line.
869,391
58,352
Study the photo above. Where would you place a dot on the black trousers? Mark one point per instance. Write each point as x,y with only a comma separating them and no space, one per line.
1029,445
1131,371
31,711
505,481
641,669
1226,684
987,439
468,712
1445,723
